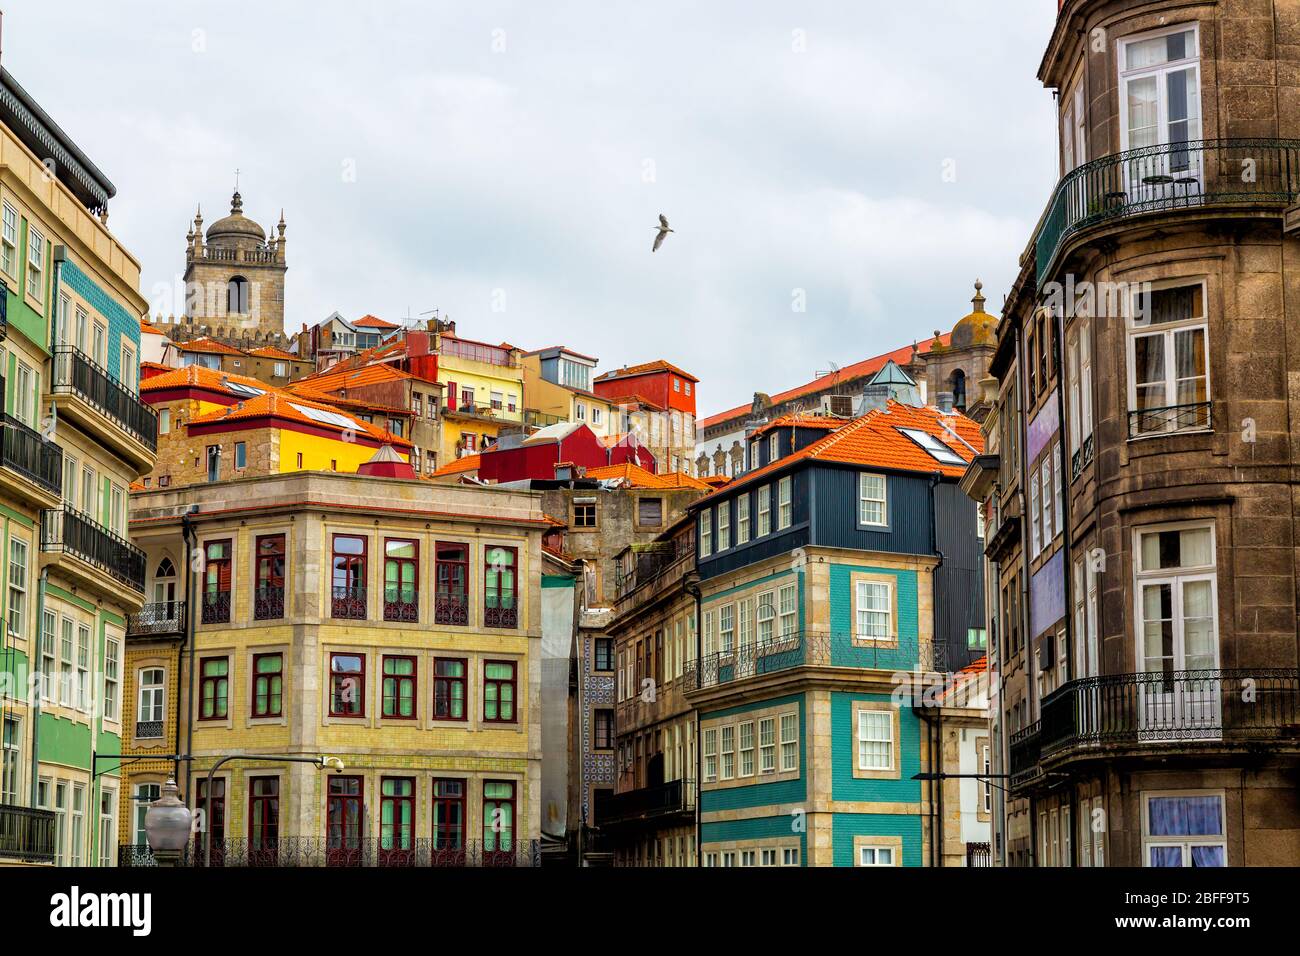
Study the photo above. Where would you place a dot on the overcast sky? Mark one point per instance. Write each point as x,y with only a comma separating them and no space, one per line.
506,162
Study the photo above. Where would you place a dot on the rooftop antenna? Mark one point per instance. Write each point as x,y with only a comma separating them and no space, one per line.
236,180
833,372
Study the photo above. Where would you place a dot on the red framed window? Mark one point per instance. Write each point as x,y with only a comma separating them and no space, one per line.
216,582
343,811
399,688
397,821
268,593
347,685
263,820
214,688
499,597
349,577
214,809
449,688
451,576
401,580
499,687
448,822
498,823
268,685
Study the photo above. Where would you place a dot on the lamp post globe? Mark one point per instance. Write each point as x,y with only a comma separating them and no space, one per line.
167,826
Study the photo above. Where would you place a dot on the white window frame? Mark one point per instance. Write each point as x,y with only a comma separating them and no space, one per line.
9,241
867,498
787,621
784,503
35,262
864,615
706,532
151,695
788,725
866,717
1176,578
19,578
1167,331
1159,71
1184,842
727,768
767,745
742,519
871,856
710,754
764,511
724,526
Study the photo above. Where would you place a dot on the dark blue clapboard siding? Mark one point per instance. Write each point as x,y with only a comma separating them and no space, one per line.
959,582
836,522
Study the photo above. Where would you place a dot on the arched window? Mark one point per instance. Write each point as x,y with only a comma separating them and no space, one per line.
164,582
959,390
237,296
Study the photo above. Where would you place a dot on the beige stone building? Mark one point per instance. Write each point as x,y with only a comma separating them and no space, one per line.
1142,506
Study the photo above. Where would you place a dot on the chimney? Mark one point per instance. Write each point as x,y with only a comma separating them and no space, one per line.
874,396
945,402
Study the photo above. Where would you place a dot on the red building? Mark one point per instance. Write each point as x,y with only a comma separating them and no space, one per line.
663,384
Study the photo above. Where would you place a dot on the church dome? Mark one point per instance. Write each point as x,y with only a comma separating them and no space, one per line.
236,224
977,328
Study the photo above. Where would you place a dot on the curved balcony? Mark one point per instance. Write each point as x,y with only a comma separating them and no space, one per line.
1173,176
1099,717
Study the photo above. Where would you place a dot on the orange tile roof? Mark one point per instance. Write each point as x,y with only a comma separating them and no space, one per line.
196,376
327,399
332,380
457,467
151,329
270,351
206,344
802,420
716,481
165,368
638,477
874,441
635,400
645,368
858,369
280,405
373,322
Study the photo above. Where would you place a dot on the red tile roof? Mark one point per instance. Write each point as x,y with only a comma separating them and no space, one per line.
645,368
373,322
825,422
856,370
333,381
271,352
280,405
874,441
637,477
206,344
196,376
630,400
458,467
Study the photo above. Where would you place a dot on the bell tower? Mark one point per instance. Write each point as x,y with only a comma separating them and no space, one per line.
234,279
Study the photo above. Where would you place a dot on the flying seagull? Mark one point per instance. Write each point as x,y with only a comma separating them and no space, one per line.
663,232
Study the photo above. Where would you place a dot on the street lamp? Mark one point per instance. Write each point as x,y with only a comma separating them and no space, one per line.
167,826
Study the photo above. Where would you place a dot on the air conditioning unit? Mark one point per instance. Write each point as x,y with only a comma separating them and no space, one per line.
837,406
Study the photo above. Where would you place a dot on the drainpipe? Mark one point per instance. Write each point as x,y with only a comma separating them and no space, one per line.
188,535
1067,565
38,690
1021,436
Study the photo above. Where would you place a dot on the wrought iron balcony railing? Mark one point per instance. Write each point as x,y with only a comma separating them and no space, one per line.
298,852
23,450
162,618
813,649
1147,422
1161,707
500,617
349,603
401,604
26,833
451,609
1082,456
148,729
76,373
268,603
215,607
645,803
68,530
1196,173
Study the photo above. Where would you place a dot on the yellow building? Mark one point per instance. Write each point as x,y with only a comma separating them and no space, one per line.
393,624
557,388
75,435
216,425
484,390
